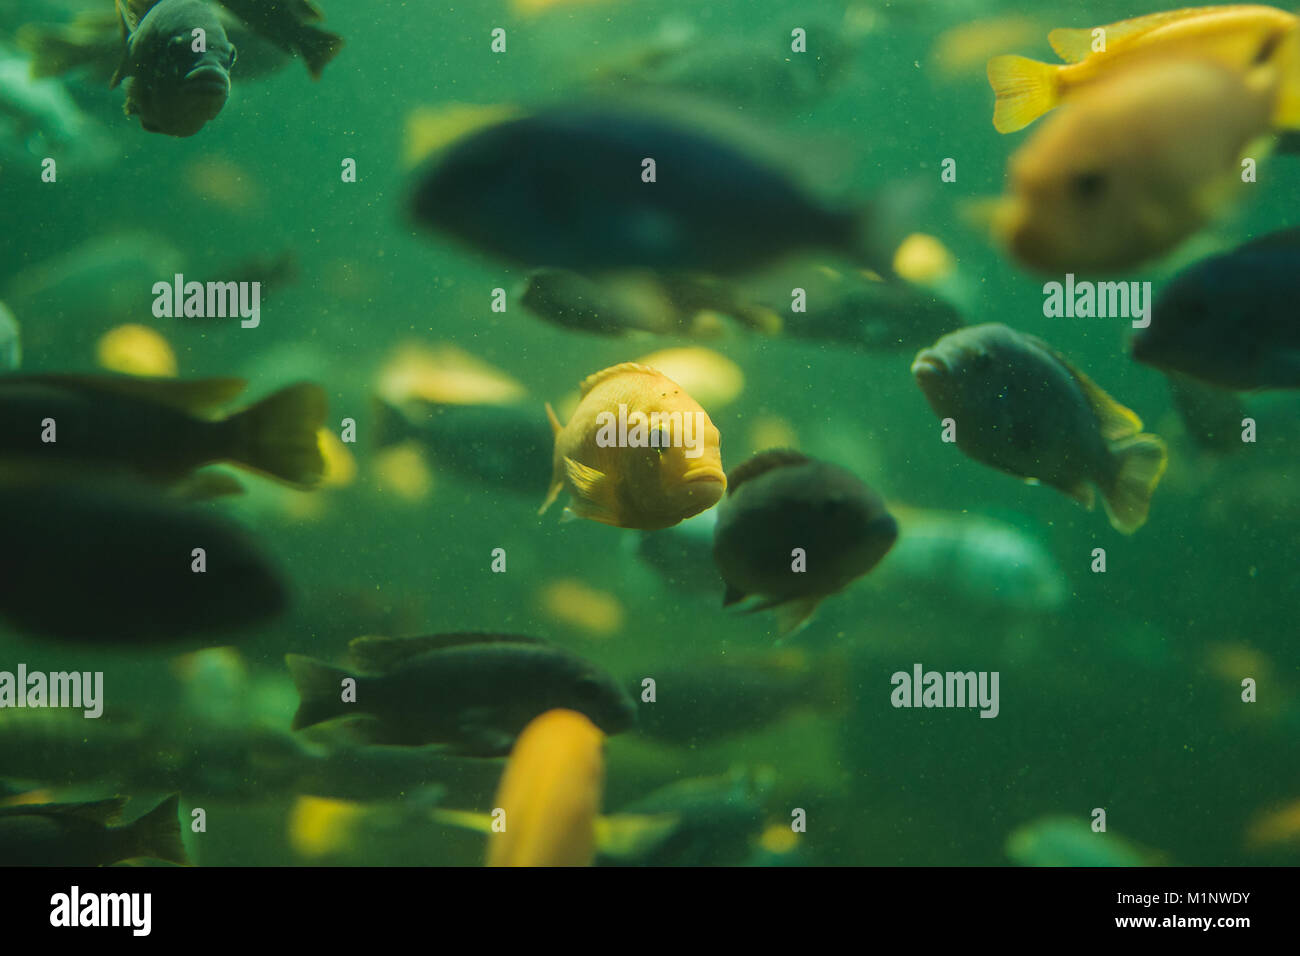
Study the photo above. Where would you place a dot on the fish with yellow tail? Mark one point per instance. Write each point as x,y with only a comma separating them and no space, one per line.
638,452
1018,405
1130,169
1238,37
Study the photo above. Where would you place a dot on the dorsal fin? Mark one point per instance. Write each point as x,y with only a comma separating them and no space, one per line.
197,395
591,381
1075,45
762,463
1115,420
96,811
374,652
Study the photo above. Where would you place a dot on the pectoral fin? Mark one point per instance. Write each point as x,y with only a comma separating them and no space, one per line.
593,491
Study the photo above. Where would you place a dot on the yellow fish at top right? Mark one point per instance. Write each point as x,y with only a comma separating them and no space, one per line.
1240,37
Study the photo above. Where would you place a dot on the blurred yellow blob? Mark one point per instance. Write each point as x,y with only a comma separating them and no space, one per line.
319,827
711,379
403,471
340,465
772,431
135,350
967,47
226,662
446,375
221,181
29,798
923,259
572,602
778,838
530,8
430,128
551,793
1274,827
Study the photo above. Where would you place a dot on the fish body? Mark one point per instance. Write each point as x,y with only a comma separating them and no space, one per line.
551,793
1230,320
1237,37
83,834
1019,406
99,563
633,483
471,692
179,78
1127,171
782,504
155,428
581,203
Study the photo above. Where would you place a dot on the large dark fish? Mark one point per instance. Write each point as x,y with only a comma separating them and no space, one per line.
1231,320
103,564
781,501
160,429
173,87
1019,406
83,834
472,692
563,189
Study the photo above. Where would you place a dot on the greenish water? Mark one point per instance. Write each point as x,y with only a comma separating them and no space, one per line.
1118,698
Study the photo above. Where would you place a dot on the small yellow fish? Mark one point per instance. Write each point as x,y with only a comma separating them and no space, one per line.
574,603
1130,169
1239,38
639,452
446,375
551,793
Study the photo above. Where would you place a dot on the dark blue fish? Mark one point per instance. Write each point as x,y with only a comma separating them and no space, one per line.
563,189
1231,320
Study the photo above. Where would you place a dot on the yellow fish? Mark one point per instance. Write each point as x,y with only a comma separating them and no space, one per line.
638,452
1237,37
1130,169
551,793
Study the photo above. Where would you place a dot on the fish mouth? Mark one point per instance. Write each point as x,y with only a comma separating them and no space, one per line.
927,365
705,475
207,81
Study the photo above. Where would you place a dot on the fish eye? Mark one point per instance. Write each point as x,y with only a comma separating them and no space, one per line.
1266,50
1088,185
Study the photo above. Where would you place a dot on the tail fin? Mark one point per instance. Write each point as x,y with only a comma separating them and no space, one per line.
157,834
318,688
277,436
1025,90
317,48
1142,461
